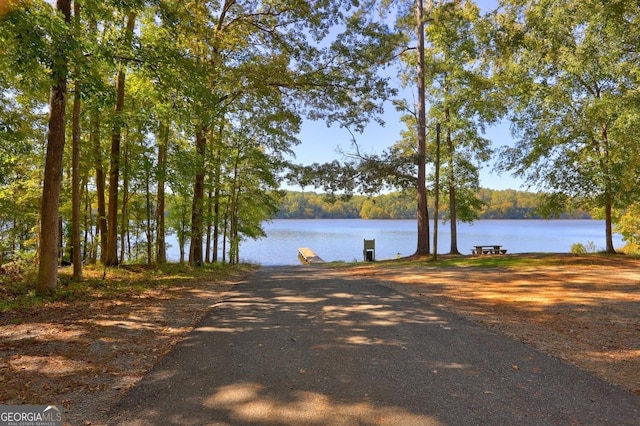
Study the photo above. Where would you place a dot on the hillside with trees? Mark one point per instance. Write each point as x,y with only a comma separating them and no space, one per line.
496,204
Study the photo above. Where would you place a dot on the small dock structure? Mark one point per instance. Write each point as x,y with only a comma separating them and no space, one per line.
306,255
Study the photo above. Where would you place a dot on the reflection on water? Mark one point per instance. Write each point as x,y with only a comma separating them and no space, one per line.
342,239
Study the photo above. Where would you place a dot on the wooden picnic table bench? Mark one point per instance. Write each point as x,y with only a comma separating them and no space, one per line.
488,249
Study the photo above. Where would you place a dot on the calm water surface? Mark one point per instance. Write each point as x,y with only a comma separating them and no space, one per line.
342,239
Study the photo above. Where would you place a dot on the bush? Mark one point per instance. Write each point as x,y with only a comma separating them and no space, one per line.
579,248
632,249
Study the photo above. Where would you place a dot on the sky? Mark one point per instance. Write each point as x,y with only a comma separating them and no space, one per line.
321,144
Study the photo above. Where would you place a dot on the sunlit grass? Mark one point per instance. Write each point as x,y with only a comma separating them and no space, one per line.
446,261
509,261
99,282
495,261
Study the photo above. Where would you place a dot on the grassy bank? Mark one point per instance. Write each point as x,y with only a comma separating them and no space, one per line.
17,289
511,261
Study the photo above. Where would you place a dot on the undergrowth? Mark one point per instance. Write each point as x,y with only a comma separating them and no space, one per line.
510,261
17,291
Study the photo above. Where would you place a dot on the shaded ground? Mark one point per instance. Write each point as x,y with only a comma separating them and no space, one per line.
313,346
85,354
585,310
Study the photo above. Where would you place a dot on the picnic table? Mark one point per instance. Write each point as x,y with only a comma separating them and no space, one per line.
488,249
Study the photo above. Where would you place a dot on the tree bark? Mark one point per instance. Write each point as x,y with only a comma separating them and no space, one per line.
233,216
163,141
216,196
101,224
76,255
182,232
96,144
436,202
608,194
124,213
111,252
207,256
452,187
111,256
197,209
48,267
216,223
609,224
423,213
149,214
89,252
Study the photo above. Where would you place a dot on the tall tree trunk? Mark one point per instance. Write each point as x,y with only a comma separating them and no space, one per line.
207,256
76,255
48,267
60,240
163,142
216,198
197,209
89,238
234,241
609,224
423,213
182,232
96,144
452,187
101,223
124,214
149,211
608,193
111,257
233,217
225,231
216,223
436,212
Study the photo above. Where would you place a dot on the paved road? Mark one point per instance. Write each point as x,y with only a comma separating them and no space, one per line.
305,346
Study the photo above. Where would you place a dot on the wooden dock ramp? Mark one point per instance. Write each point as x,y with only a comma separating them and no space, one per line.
307,255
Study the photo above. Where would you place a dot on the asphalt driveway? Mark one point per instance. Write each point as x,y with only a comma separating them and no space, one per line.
309,346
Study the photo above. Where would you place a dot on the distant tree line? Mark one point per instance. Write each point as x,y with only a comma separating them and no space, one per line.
495,204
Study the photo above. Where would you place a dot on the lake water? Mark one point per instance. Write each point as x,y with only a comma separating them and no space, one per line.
342,239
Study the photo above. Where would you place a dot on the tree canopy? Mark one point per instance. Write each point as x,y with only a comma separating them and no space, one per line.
198,101
564,73
570,72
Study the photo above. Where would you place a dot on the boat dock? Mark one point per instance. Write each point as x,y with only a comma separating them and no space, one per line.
307,255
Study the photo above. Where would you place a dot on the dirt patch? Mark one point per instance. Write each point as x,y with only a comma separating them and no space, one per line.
582,309
85,354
